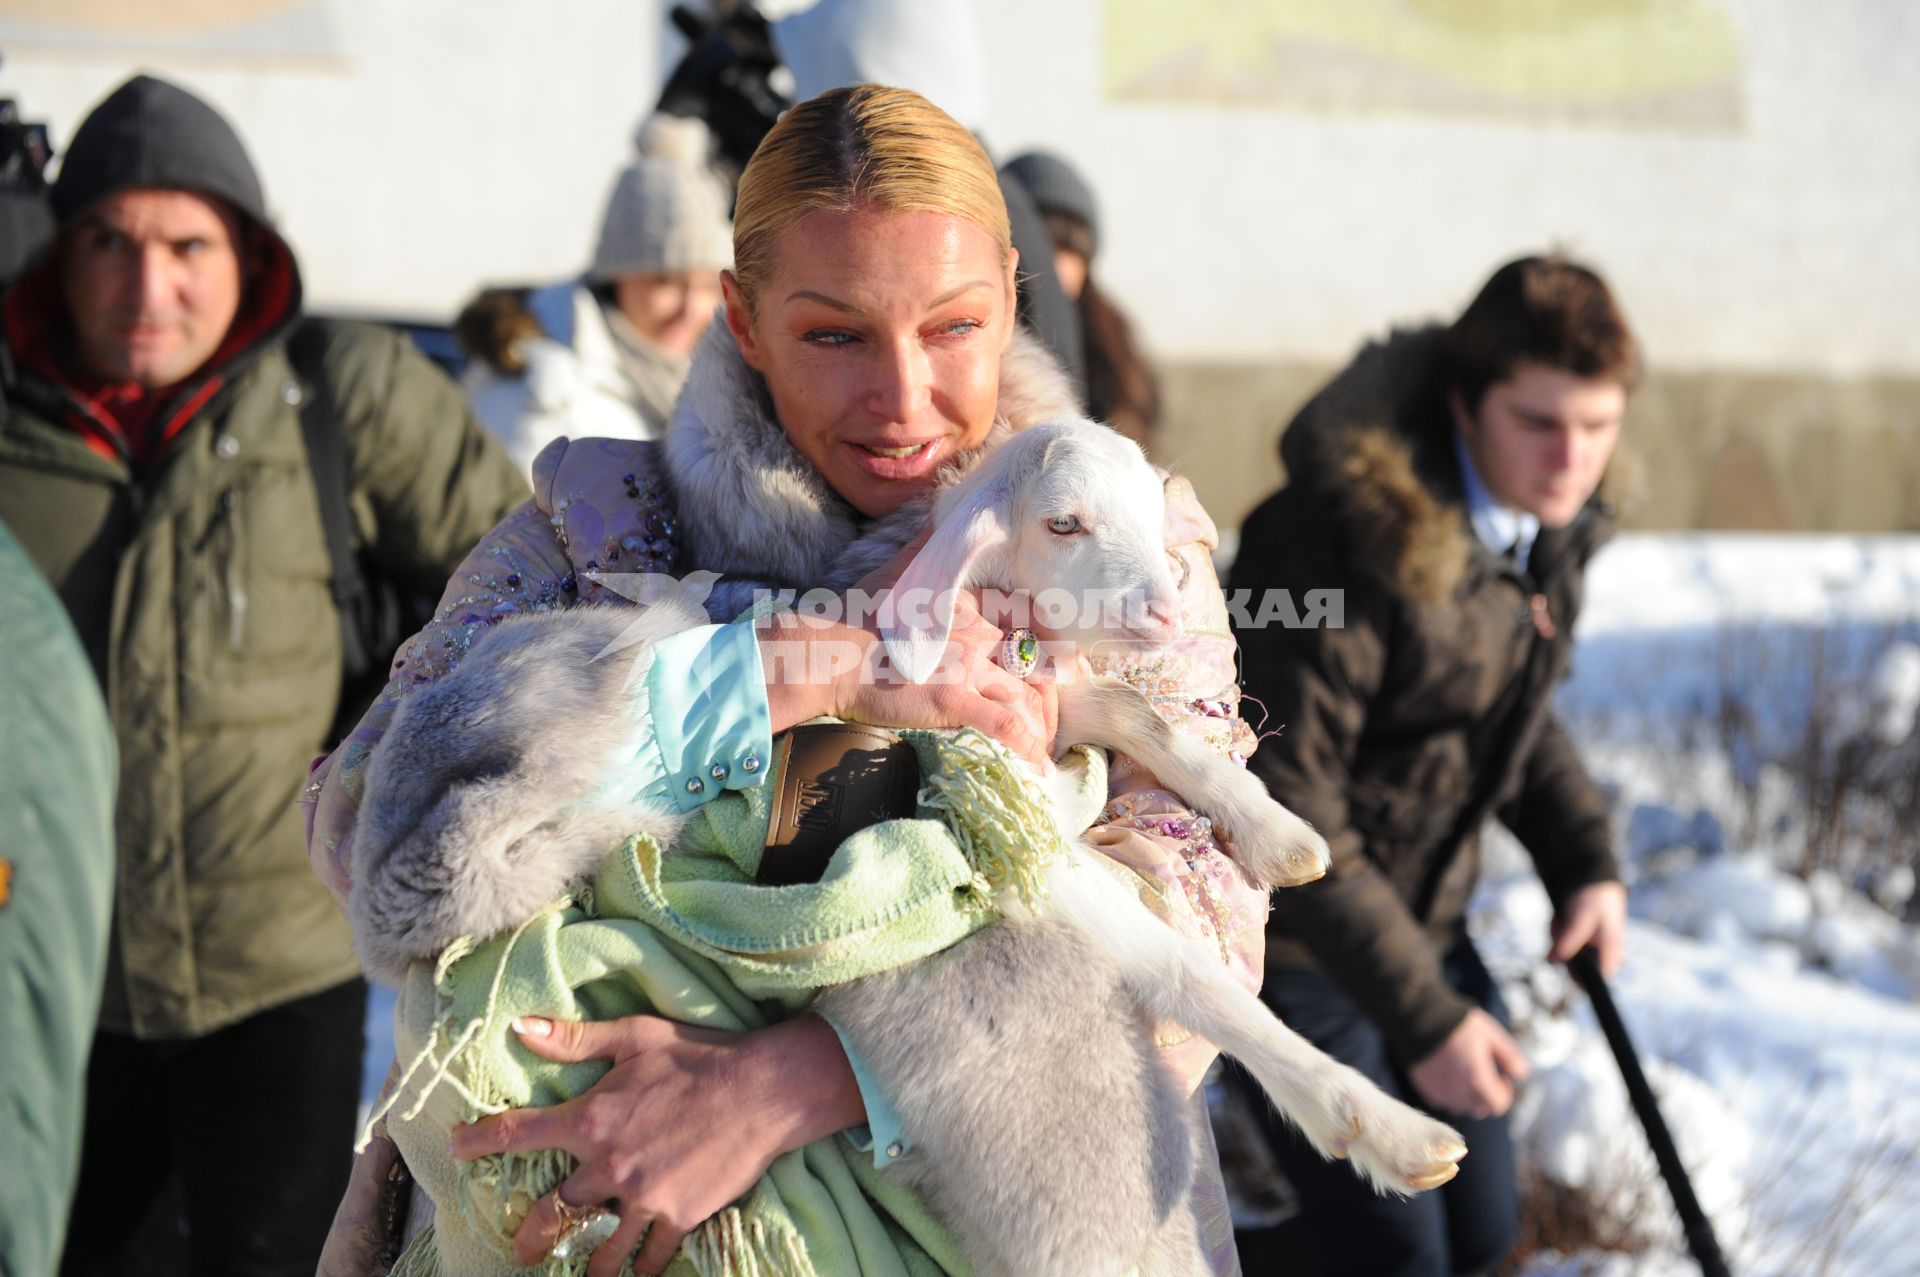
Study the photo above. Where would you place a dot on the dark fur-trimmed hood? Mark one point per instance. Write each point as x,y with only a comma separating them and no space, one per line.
1375,447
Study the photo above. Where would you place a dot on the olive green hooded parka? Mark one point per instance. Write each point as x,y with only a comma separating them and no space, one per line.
199,580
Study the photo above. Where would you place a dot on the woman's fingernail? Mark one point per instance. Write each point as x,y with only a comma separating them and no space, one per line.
532,1026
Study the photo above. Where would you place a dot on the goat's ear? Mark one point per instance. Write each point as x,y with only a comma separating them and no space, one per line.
922,616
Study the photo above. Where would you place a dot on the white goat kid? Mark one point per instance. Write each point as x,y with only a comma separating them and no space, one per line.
1074,506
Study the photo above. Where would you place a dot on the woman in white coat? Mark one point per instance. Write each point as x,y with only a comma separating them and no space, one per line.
605,354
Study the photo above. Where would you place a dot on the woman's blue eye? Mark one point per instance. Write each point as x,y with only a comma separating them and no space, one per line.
828,337
961,327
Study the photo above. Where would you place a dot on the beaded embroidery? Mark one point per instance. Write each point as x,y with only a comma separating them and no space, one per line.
636,538
1194,834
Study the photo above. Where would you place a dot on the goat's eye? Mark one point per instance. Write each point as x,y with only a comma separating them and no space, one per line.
1064,525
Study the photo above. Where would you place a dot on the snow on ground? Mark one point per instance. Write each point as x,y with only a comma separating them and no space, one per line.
1788,1090
1777,1017
1672,581
1672,621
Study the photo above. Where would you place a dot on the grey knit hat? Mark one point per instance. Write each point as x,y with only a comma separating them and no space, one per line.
668,209
151,133
1057,187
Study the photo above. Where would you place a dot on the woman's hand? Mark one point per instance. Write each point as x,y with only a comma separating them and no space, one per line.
682,1125
815,666
971,691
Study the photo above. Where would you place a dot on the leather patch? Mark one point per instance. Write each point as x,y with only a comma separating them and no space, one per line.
836,779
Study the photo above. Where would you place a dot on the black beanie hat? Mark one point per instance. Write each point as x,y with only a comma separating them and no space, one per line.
149,133
1057,188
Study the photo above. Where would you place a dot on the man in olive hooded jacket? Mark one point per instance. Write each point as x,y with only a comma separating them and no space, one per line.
152,464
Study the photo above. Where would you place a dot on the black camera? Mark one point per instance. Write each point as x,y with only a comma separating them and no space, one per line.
24,151
725,77
26,221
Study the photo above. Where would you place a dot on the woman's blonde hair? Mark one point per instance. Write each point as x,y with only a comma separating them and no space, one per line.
869,146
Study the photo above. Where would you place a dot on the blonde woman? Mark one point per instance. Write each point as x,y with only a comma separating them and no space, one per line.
869,340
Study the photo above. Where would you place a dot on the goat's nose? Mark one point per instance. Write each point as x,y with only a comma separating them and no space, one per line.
1162,620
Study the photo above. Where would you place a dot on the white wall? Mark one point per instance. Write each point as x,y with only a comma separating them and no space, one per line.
434,143
1255,233
442,142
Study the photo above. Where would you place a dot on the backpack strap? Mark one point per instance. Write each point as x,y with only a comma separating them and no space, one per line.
327,459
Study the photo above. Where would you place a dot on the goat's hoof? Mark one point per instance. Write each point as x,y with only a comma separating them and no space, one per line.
1294,861
1434,1179
1445,1164
1313,871
1405,1151
1429,1166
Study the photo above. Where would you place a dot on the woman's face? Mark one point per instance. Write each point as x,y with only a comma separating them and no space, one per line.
1072,268
669,308
880,337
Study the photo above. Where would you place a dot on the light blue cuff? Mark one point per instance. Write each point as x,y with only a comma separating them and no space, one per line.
880,1134
706,695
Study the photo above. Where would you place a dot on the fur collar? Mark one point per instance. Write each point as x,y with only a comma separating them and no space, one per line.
749,506
1376,448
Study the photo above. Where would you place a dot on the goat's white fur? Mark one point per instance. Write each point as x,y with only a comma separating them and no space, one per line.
995,528
991,529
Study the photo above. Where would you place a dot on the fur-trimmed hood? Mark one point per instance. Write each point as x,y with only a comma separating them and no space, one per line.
1376,447
751,507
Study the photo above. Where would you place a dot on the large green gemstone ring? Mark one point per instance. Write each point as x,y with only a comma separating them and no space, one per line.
1020,653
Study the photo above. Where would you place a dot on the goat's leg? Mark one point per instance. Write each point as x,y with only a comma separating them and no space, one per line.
1342,1113
1272,846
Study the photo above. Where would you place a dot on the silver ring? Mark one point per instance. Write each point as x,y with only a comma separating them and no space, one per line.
584,1230
1020,653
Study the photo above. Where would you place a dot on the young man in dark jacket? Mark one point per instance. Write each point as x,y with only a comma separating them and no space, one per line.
152,464
1448,484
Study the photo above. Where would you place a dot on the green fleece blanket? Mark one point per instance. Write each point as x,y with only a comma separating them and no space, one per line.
686,933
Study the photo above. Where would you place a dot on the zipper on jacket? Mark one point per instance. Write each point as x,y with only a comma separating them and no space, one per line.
236,588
